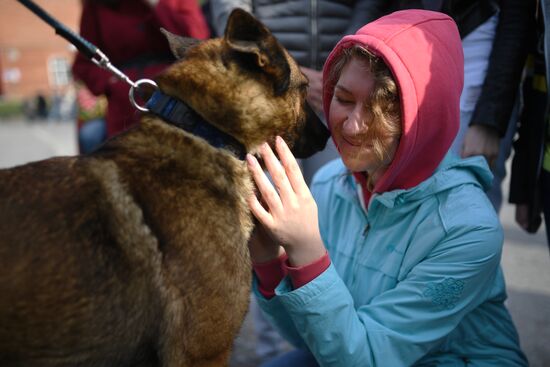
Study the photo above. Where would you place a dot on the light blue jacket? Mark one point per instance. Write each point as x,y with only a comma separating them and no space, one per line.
414,281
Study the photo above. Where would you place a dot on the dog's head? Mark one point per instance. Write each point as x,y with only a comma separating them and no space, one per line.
247,85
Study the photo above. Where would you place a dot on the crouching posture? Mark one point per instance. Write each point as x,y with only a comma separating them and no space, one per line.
393,258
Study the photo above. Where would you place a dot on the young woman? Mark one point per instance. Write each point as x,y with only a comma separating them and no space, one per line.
394,259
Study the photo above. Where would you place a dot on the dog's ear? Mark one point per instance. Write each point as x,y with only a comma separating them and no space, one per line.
178,44
245,34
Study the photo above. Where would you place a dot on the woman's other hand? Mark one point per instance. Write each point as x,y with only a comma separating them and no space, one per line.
263,247
314,89
290,213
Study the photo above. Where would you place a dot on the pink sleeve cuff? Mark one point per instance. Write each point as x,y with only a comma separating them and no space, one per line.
269,275
304,274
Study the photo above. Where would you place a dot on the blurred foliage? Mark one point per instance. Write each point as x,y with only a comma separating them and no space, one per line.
10,108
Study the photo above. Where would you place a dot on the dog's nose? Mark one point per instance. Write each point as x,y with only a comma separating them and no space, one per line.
313,138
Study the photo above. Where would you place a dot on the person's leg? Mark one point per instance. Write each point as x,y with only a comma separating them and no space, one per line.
499,169
295,358
545,180
91,135
269,343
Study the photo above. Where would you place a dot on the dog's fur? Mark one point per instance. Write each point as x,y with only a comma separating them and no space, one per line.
136,255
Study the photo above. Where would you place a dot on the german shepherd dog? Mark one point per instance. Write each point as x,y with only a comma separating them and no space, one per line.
136,254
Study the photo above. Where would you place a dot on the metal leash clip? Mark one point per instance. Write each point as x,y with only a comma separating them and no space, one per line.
101,60
90,51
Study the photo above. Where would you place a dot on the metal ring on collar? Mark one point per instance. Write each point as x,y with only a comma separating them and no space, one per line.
136,86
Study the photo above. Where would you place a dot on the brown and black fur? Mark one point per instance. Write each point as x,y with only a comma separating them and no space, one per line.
136,255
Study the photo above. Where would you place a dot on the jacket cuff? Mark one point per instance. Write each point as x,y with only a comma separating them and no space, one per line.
301,275
269,275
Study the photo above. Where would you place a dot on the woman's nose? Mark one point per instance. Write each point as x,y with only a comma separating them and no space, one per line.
357,120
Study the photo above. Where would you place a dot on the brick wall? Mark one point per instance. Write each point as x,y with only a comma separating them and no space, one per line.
28,47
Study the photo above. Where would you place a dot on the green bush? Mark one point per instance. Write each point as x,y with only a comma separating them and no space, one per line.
10,108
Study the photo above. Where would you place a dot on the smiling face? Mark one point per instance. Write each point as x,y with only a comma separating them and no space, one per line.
362,117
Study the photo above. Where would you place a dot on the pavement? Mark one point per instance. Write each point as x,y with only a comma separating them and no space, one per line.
525,259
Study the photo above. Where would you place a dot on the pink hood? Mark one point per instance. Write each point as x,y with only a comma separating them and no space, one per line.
424,52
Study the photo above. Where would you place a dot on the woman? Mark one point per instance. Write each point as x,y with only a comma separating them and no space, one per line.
400,264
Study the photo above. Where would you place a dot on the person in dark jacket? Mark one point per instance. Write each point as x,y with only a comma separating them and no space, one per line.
128,32
494,38
530,179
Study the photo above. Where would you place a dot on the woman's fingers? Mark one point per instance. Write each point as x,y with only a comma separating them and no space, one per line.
268,192
278,174
291,167
260,212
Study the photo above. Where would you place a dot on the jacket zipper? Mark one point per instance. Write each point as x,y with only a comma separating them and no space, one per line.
313,30
357,251
366,230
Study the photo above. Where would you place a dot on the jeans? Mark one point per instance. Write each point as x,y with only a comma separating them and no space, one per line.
545,179
91,135
295,358
269,343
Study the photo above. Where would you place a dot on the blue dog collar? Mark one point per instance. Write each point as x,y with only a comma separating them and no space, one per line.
181,115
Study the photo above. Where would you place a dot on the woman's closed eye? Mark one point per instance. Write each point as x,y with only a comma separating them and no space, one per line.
343,100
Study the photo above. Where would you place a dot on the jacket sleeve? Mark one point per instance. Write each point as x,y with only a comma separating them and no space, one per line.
401,325
95,78
506,61
182,17
221,9
366,11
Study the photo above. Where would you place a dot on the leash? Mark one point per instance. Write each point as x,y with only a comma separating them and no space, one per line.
89,50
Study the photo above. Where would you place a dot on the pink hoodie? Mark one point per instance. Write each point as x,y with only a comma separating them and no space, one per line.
424,53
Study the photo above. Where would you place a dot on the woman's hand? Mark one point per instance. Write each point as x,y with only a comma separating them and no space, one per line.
263,247
290,216
481,140
314,89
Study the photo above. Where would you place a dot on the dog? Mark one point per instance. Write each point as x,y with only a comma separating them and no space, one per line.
136,254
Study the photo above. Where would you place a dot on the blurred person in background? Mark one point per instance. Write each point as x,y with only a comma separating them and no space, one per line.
128,32
91,125
494,38
530,179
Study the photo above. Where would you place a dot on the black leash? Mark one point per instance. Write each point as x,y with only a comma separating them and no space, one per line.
88,49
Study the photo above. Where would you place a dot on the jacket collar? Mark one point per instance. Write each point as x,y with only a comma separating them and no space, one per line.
451,172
